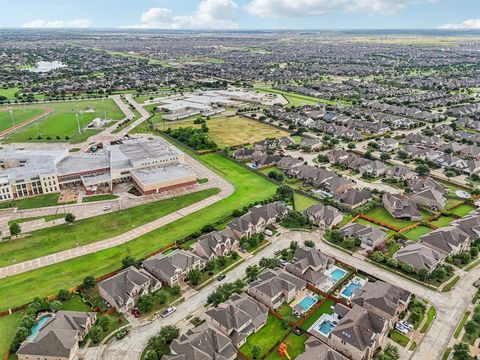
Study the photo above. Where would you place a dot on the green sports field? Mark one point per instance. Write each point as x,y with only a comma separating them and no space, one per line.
62,122
249,187
19,114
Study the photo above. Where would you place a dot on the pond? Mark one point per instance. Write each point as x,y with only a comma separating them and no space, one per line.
46,66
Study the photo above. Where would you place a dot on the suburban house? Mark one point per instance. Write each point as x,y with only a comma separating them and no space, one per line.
172,269
400,172
58,337
354,197
202,343
469,224
216,243
450,240
288,162
325,217
422,183
429,198
311,144
318,350
401,207
419,256
387,144
123,290
382,299
285,142
369,236
274,287
243,154
238,317
358,333
257,219
309,264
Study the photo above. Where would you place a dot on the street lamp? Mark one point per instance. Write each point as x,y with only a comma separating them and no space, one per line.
11,116
78,124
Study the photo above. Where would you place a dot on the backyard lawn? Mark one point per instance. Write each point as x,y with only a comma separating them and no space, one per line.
442,221
32,202
286,312
266,337
66,236
416,232
462,210
8,325
379,213
232,130
303,202
325,308
249,188
63,121
398,338
75,303
295,347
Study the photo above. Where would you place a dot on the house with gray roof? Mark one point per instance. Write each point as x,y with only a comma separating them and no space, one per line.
429,198
238,317
358,333
382,298
401,207
275,287
323,216
202,343
450,240
387,144
123,289
369,236
318,350
288,162
216,243
285,142
311,144
419,256
257,219
353,197
309,264
172,269
400,172
59,336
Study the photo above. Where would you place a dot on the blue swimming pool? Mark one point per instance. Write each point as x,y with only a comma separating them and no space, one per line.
337,274
36,328
348,291
307,302
326,327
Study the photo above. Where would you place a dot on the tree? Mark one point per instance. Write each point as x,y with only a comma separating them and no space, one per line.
175,290
439,273
161,296
104,322
293,245
422,169
378,256
95,334
471,328
63,295
252,272
309,243
194,276
351,145
221,261
256,351
385,156
89,282
392,351
423,274
69,218
128,261
145,303
15,229
168,333
151,355
461,352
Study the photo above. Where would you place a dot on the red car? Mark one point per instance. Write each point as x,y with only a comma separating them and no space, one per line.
135,313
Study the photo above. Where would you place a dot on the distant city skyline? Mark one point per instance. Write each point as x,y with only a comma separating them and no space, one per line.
242,14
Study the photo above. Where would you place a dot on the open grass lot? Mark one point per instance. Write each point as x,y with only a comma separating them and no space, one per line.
9,93
325,308
265,338
379,213
46,218
144,127
295,347
233,130
303,202
442,221
19,114
416,232
32,202
63,122
249,187
66,236
462,210
8,324
99,198
299,99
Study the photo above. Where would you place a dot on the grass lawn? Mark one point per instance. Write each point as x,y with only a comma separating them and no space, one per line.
32,202
116,320
295,347
144,127
265,338
20,115
325,308
398,337
249,188
286,312
99,198
8,325
303,202
416,232
379,213
46,217
66,236
442,221
451,202
75,303
461,324
9,93
63,122
431,313
298,99
462,210
449,286
233,130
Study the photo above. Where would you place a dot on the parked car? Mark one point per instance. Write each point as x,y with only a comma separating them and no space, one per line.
401,328
268,232
407,325
169,311
135,313
221,277
107,207
277,252
242,249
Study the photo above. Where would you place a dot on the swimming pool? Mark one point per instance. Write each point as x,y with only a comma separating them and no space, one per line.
36,328
337,274
326,327
348,291
307,302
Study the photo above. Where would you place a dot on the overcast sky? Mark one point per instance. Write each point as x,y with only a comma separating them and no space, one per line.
241,14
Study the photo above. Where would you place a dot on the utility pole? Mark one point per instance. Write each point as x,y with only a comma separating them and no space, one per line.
78,124
11,116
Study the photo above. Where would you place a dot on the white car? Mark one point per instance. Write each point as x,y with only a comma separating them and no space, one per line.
407,325
107,207
401,328
169,311
268,232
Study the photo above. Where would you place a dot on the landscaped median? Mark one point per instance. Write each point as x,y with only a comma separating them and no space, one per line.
249,188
